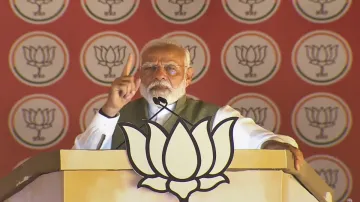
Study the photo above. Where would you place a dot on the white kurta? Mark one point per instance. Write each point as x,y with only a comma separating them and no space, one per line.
247,134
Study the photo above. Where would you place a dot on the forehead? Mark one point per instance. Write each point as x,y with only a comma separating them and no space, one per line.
164,53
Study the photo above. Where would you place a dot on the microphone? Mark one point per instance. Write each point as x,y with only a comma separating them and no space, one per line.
155,100
160,100
100,142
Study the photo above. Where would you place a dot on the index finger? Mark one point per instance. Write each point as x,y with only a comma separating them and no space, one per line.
128,66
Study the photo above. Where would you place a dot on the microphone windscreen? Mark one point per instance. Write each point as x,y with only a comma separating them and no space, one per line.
156,100
163,100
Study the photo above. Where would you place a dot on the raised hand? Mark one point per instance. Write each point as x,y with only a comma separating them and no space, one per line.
122,90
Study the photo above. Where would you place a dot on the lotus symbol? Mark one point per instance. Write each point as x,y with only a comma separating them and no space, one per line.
110,57
181,4
184,160
251,57
39,120
322,56
251,3
322,3
39,4
257,114
110,3
322,118
330,176
192,51
40,57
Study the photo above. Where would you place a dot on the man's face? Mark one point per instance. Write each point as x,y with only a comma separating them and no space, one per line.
163,73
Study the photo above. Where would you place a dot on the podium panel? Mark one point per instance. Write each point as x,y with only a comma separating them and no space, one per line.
94,176
121,186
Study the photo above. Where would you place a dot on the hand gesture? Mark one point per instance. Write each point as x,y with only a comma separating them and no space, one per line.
122,90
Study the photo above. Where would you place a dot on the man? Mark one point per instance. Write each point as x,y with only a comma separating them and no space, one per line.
165,71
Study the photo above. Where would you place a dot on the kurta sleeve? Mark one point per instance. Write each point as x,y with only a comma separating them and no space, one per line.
246,133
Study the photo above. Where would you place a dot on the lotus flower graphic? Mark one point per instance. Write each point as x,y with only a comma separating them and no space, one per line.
110,3
181,3
322,56
39,120
183,161
321,118
39,57
257,114
192,51
251,3
330,176
110,57
322,3
251,57
39,4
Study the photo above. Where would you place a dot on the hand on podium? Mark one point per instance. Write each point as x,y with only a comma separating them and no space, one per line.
298,155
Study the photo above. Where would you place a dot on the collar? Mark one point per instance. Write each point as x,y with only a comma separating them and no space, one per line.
155,108
176,106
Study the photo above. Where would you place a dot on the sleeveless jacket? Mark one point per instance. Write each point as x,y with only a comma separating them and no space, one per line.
136,112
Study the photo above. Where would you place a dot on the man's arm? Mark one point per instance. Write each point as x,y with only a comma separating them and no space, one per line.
100,124
121,92
247,134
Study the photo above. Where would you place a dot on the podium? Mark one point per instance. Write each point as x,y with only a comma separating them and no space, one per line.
107,176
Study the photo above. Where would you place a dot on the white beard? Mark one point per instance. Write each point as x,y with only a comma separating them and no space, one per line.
171,95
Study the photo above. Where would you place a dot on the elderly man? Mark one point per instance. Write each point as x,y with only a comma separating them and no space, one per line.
165,71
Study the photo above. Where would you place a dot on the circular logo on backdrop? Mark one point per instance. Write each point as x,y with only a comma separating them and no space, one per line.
259,108
39,59
250,58
104,56
39,12
321,119
38,121
110,11
323,11
250,11
199,52
180,12
322,57
335,173
90,109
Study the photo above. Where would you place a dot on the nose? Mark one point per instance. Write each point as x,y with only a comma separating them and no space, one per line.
160,74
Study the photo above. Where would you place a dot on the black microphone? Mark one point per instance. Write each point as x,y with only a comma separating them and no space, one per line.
100,142
163,100
156,101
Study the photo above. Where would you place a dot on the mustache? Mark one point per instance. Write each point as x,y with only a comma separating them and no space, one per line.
160,83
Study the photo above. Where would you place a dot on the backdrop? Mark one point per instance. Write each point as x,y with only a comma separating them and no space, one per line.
290,65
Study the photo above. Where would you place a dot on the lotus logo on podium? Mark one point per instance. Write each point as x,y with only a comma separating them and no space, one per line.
183,161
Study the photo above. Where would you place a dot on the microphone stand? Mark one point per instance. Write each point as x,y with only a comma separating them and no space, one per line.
100,142
163,100
156,101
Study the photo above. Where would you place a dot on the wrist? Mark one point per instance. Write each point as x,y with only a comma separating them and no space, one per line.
109,112
272,144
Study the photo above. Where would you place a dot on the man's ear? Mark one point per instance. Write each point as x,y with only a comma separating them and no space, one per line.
189,76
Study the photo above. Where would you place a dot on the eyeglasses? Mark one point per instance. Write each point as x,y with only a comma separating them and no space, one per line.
171,69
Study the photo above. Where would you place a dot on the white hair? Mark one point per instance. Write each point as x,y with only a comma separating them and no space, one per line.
166,41
172,94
